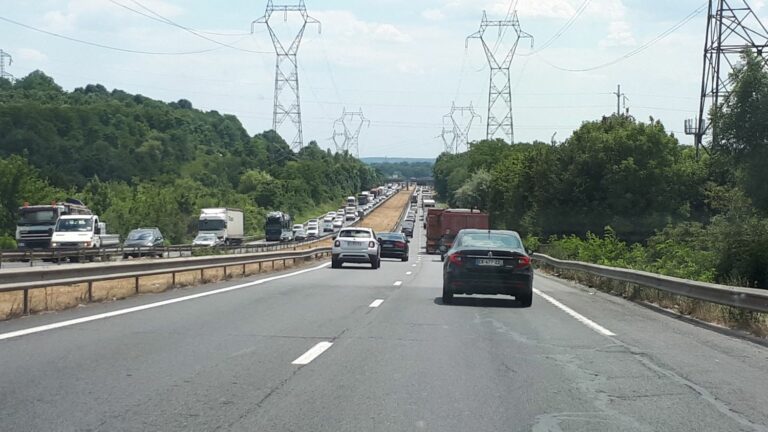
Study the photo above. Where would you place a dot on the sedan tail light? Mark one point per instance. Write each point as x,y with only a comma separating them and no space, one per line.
456,259
523,262
399,244
371,244
337,244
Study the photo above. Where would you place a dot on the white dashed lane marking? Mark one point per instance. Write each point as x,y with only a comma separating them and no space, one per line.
579,317
398,283
376,303
312,354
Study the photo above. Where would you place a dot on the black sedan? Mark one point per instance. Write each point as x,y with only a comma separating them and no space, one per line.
394,245
407,228
488,262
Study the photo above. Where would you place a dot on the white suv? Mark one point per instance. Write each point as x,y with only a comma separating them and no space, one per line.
356,245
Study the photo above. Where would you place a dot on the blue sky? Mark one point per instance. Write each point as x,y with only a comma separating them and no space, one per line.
402,62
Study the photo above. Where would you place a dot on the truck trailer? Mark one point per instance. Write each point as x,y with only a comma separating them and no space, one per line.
444,224
226,223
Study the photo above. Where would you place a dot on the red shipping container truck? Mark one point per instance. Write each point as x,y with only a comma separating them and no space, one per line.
444,224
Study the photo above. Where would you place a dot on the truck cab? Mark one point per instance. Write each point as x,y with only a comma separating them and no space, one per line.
36,223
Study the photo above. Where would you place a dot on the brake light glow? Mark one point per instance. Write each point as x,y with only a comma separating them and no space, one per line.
337,244
523,262
456,259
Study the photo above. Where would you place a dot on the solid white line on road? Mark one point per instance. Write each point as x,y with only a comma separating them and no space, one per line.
72,322
413,265
312,354
376,303
408,273
581,318
398,283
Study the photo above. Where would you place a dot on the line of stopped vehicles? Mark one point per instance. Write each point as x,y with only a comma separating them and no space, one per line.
70,226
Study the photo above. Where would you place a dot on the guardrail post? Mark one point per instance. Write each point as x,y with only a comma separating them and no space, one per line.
173,279
202,274
259,267
284,263
243,270
137,284
225,272
26,302
90,291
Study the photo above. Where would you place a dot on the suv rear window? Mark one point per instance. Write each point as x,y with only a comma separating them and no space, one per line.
355,234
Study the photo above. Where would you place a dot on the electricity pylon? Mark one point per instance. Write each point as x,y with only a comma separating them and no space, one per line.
346,131
500,123
3,57
732,28
457,123
287,105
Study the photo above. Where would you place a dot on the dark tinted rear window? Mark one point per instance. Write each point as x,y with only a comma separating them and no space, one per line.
391,236
489,240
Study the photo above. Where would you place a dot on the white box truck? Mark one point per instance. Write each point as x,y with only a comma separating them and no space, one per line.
226,223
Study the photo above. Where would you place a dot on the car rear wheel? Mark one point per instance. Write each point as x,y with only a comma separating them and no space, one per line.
447,294
375,263
335,264
405,258
526,300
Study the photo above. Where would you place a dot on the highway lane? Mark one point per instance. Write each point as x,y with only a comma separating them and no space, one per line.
224,362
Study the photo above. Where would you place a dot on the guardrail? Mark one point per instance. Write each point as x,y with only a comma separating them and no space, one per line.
744,298
23,280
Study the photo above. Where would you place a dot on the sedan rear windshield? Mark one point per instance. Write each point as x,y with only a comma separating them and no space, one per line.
391,236
355,234
489,240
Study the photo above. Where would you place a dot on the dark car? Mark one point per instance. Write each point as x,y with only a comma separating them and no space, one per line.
488,262
142,242
407,228
394,245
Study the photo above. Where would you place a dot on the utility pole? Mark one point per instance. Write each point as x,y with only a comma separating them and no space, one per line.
500,124
3,57
287,103
458,123
346,131
621,101
732,28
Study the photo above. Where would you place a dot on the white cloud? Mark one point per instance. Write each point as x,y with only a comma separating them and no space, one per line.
433,15
31,54
619,34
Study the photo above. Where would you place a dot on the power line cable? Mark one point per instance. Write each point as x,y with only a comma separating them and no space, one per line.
108,47
637,50
580,10
160,18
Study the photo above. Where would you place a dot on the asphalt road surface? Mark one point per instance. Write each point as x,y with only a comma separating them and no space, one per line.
375,350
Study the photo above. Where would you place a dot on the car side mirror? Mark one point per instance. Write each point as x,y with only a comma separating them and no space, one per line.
407,240
529,252
97,231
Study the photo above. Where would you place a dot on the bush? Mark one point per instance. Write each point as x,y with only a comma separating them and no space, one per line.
7,242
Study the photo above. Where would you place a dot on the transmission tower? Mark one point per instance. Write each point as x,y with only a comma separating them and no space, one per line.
346,131
457,123
732,28
3,57
500,123
287,105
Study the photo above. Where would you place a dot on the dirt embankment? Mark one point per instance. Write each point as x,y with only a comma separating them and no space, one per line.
64,297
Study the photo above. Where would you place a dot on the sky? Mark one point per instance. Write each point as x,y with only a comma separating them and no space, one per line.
403,63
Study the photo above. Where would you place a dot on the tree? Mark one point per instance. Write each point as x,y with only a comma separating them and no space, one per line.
476,192
741,123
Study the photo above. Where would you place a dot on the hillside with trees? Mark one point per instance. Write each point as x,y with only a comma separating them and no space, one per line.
625,193
142,162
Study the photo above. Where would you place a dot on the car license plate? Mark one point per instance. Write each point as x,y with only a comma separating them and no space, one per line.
355,244
489,262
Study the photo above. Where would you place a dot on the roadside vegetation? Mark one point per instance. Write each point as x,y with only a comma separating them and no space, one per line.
626,193
139,162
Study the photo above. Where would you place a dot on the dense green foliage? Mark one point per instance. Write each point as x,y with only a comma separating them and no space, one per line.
141,162
404,170
626,193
